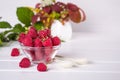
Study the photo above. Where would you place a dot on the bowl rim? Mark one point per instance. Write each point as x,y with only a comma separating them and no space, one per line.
39,47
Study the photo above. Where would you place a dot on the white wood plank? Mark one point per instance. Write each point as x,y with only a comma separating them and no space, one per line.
13,66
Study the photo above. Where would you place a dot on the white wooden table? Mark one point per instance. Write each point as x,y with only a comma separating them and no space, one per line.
103,51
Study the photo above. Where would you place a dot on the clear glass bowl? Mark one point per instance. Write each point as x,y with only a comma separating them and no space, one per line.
40,54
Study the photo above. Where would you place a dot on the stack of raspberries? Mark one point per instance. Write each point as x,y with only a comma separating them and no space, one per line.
39,39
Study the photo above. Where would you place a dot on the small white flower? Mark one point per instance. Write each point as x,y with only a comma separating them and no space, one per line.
47,2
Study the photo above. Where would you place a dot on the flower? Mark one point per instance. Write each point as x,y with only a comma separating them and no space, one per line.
41,17
47,2
50,10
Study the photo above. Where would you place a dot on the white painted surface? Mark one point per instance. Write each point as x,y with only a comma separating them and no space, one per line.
101,51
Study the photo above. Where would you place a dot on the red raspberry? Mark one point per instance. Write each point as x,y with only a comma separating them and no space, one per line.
56,41
15,52
44,33
31,53
48,32
48,51
39,54
37,42
48,59
47,42
32,32
27,41
25,63
21,37
42,67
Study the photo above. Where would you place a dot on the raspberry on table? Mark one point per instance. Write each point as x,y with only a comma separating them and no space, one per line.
15,52
25,63
41,67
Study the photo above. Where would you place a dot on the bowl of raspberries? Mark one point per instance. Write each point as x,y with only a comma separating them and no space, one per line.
39,46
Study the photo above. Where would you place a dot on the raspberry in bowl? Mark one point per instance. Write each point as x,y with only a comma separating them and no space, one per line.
40,54
39,46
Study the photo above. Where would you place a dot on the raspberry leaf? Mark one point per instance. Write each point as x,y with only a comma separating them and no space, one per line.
24,15
18,28
1,42
12,36
4,24
39,26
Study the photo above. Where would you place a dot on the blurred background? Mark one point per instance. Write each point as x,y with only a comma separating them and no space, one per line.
103,16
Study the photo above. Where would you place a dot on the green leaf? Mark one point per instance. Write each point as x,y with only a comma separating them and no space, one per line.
1,36
1,42
6,32
24,15
12,36
55,15
39,26
18,28
4,24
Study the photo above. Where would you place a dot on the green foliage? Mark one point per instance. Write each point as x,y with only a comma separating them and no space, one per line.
18,28
1,36
24,15
4,24
39,26
1,42
55,15
12,36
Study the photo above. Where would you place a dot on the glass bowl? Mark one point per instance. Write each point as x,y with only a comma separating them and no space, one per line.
40,54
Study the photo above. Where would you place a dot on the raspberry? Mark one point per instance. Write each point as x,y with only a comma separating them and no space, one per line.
37,42
42,33
25,63
28,41
48,59
42,67
56,41
31,53
15,52
48,51
47,42
21,37
48,32
32,32
39,54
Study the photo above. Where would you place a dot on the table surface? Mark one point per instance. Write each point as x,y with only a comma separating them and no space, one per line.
103,51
